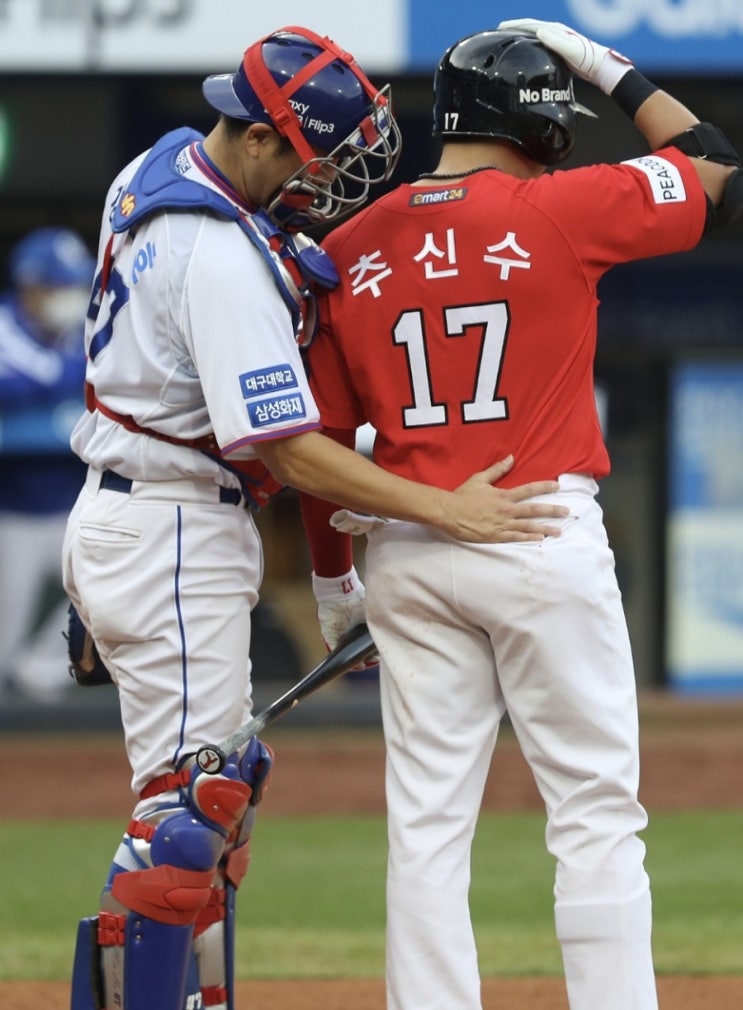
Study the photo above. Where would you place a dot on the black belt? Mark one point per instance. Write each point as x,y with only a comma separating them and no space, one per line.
112,481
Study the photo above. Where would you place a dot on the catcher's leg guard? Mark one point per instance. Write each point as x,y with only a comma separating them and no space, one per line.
214,934
160,881
214,943
178,866
87,985
129,957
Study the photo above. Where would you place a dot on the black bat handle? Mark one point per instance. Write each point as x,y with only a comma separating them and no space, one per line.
353,648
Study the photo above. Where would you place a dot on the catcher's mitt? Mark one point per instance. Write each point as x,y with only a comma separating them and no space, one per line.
86,666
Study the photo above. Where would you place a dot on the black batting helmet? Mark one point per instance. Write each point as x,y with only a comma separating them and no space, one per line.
506,84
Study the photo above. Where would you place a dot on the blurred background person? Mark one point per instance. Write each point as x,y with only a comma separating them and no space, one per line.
42,368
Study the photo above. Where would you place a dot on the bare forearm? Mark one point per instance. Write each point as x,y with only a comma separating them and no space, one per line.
477,511
321,467
661,117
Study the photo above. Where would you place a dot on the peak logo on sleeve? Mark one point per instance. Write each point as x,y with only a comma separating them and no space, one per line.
665,179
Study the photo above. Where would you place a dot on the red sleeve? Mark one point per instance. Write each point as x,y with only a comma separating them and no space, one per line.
647,206
331,552
328,370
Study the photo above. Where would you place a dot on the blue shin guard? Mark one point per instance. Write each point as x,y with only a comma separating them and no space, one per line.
87,990
156,960
149,969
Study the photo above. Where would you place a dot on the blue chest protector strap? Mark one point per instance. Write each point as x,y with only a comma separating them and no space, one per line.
296,262
298,265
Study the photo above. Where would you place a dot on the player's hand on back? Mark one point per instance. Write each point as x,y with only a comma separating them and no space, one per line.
487,514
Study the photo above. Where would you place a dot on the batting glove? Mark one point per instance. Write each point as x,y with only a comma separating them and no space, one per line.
355,523
341,605
597,64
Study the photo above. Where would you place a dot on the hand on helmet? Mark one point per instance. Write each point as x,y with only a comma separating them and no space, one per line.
341,604
597,64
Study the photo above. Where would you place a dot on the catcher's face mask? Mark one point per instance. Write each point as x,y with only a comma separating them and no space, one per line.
316,95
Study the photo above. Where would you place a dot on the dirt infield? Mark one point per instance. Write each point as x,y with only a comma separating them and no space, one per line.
692,757
677,993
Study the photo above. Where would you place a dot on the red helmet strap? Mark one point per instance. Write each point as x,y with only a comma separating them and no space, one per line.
276,99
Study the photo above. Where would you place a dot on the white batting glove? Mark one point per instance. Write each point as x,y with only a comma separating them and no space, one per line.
355,523
597,64
341,604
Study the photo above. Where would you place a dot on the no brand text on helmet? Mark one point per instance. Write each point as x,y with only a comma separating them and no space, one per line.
531,95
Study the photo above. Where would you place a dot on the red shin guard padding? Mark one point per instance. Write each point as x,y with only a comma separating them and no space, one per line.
224,801
237,864
214,911
164,893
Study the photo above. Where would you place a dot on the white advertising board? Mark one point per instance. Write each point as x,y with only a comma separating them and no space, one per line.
183,35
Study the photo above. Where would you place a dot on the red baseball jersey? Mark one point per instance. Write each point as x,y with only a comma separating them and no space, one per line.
464,327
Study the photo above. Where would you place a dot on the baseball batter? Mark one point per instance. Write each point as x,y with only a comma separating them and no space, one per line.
465,325
198,403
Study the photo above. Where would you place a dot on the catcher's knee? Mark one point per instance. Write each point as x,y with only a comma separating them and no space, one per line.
222,800
178,854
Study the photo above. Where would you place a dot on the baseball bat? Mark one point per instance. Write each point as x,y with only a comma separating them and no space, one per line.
352,649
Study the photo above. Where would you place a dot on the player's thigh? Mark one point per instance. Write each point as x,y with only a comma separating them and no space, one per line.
440,701
167,591
416,616
221,571
564,659
177,580
133,560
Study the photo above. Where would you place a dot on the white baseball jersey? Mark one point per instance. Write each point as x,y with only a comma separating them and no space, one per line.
203,342
192,334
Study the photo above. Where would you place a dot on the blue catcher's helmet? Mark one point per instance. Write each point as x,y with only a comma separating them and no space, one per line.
316,95
53,257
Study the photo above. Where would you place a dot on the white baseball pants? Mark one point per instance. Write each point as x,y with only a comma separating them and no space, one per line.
165,577
467,633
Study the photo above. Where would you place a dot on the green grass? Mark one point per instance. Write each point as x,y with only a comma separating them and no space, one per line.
312,904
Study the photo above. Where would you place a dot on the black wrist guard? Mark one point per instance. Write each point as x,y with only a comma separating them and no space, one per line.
632,91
